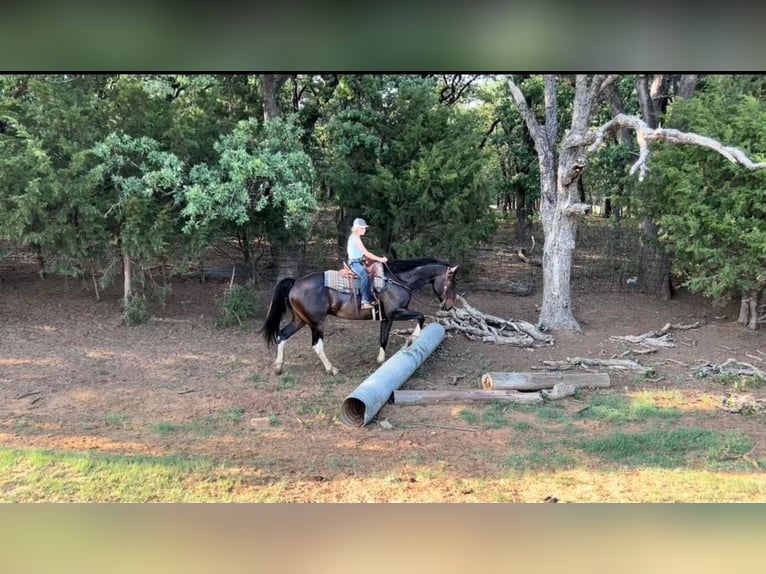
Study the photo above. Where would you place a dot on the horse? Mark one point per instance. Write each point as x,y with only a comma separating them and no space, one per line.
310,302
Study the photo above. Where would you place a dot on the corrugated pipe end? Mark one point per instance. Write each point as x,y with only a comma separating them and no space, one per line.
352,411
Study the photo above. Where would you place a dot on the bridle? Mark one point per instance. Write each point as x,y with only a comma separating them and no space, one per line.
447,283
398,281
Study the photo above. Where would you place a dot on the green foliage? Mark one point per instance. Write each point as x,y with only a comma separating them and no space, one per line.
262,180
409,164
238,302
135,312
712,213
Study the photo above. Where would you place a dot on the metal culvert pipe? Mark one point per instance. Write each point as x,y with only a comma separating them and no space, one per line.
359,408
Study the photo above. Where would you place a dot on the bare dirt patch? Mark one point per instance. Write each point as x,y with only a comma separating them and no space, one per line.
73,378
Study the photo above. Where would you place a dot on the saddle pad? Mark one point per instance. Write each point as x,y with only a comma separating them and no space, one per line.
334,280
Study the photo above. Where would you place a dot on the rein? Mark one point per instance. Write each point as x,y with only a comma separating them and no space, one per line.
411,290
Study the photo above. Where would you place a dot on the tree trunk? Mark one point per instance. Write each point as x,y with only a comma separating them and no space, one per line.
560,205
523,223
127,283
270,86
748,309
284,253
654,263
558,250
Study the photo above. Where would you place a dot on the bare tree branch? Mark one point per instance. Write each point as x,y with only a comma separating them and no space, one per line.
527,114
645,134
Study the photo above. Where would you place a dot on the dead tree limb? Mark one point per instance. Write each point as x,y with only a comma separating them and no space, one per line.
645,134
730,367
477,325
659,338
613,364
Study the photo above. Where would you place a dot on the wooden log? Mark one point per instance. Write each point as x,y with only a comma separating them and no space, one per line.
537,381
559,391
430,397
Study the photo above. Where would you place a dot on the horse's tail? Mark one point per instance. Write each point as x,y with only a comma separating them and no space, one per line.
277,308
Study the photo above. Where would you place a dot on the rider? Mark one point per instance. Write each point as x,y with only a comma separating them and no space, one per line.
356,250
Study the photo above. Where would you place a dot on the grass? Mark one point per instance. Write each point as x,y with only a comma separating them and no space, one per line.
673,448
286,381
624,409
222,420
30,475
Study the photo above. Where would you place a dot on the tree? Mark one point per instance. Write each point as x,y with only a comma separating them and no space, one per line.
139,182
712,214
517,177
409,163
562,165
261,184
655,262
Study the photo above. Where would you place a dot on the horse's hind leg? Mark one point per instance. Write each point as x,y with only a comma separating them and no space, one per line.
286,332
317,343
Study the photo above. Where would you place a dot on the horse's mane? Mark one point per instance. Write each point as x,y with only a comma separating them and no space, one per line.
403,265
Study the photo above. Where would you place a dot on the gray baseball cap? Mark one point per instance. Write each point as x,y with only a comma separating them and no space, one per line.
359,222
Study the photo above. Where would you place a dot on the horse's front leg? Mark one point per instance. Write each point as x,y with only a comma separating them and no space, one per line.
385,330
399,315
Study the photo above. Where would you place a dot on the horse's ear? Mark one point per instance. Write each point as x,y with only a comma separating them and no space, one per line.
451,270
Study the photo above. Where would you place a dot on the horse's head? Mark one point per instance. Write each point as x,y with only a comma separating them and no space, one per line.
444,286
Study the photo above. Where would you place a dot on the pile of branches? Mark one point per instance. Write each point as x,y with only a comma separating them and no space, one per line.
476,325
742,404
652,340
619,365
730,367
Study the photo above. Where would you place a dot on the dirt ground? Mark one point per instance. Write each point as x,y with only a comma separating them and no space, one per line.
73,378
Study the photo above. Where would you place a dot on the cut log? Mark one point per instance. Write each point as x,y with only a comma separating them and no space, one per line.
431,397
537,381
559,391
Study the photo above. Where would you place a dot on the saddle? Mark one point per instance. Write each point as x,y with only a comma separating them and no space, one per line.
346,281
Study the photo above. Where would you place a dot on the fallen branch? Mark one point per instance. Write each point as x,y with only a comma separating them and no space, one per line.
446,427
613,364
538,381
730,367
648,339
559,391
431,397
659,338
742,404
490,329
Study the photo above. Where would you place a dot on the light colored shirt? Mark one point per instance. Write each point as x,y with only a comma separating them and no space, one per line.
354,247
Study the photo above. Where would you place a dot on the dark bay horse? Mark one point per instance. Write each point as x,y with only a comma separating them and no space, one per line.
310,302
